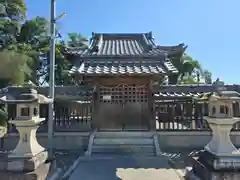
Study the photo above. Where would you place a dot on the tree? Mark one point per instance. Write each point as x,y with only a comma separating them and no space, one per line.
14,67
16,10
63,64
34,33
15,14
190,72
13,56
76,40
187,67
30,42
207,77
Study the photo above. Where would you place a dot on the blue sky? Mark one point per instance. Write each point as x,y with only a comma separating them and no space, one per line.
210,28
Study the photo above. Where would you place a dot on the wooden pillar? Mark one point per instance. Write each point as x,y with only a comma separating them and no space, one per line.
95,107
151,107
238,109
193,119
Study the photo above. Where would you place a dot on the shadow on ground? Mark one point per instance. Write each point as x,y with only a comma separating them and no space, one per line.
179,159
124,168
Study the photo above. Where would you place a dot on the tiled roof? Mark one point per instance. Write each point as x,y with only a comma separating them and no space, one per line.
108,44
185,91
124,67
116,54
176,95
4,90
61,92
201,88
182,92
204,96
160,92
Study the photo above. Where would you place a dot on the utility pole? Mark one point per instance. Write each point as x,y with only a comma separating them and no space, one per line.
51,77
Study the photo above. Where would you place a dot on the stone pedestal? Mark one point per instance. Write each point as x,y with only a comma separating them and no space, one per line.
40,173
221,144
28,154
220,159
203,168
27,160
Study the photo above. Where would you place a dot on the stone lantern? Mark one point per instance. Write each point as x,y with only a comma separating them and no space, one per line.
221,122
220,158
28,154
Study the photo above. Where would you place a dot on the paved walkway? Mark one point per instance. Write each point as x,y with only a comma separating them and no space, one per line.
124,168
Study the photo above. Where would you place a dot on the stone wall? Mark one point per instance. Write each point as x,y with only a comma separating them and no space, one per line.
61,141
190,140
79,140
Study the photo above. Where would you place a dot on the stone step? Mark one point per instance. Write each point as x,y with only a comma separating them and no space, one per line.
124,134
131,149
123,141
128,143
123,154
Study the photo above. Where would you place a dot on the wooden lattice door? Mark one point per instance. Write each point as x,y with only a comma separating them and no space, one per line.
135,107
110,108
123,107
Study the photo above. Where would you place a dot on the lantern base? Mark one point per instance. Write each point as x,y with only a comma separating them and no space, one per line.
220,162
221,144
208,166
23,164
42,172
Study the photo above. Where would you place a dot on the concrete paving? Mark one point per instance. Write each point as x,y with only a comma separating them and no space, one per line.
124,168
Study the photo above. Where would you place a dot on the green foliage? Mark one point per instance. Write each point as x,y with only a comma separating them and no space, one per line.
24,47
15,14
207,75
76,40
3,117
190,71
16,10
14,66
34,31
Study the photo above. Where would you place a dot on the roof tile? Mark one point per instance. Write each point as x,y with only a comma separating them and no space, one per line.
119,69
124,54
107,44
123,67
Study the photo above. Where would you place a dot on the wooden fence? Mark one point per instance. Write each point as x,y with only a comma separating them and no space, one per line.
186,116
170,116
68,117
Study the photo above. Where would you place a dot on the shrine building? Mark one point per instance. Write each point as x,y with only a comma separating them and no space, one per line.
121,69
121,77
